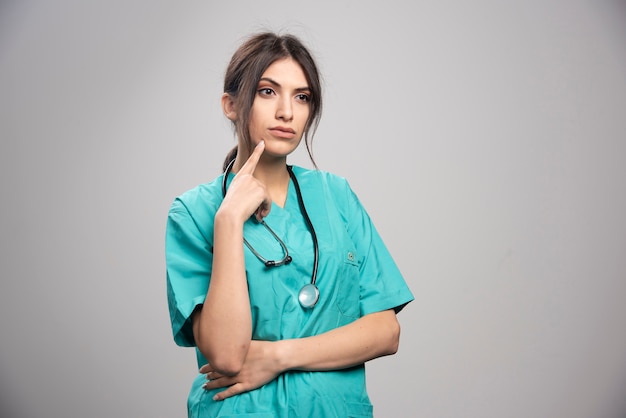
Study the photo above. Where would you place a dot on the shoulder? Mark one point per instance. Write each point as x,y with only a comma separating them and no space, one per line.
319,178
329,190
202,200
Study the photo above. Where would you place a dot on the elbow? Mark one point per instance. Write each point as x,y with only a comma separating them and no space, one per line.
228,363
393,336
225,358
227,366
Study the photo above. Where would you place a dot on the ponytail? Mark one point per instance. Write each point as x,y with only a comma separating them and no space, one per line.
232,154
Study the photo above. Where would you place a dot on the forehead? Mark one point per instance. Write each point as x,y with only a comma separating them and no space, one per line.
286,72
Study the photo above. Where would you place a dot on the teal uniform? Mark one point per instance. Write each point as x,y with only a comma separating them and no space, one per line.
356,276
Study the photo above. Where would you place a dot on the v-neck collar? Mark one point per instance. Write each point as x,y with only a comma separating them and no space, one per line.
291,201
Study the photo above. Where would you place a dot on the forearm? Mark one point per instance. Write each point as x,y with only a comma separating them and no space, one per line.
374,335
223,326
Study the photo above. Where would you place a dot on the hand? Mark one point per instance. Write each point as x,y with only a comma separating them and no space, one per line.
259,368
246,195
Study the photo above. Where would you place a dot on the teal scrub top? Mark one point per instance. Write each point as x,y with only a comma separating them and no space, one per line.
356,276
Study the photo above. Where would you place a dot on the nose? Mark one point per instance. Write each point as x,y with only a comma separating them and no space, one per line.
284,109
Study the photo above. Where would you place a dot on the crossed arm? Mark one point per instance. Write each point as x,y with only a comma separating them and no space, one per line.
222,327
369,337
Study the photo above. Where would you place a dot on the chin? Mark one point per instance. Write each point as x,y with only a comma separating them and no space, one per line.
279,150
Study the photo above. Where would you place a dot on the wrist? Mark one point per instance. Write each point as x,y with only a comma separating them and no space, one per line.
227,219
284,355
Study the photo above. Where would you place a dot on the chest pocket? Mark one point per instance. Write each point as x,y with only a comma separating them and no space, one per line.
348,289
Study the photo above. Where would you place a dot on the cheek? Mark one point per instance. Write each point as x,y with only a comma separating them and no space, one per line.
255,121
304,116
260,114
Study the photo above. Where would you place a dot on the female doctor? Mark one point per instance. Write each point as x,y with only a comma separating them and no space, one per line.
276,273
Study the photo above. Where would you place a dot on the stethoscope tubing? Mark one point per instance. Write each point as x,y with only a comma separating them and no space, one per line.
305,214
307,219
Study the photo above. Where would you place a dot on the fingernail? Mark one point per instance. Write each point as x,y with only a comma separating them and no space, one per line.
216,398
204,386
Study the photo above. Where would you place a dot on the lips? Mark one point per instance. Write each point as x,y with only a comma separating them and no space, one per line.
282,132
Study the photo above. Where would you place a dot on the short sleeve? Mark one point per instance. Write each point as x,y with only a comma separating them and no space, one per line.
382,285
189,258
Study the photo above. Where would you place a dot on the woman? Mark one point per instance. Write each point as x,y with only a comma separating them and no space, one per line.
275,273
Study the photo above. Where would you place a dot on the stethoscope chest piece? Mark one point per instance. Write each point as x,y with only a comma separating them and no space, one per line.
309,295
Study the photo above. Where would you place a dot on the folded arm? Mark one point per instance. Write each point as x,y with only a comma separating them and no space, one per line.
374,335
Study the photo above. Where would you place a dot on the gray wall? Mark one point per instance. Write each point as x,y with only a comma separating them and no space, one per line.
486,138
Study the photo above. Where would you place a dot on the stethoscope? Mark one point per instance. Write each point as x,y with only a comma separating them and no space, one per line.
309,294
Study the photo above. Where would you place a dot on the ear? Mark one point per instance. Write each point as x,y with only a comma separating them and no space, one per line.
228,107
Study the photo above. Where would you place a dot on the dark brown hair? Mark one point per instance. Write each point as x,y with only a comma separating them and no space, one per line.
246,68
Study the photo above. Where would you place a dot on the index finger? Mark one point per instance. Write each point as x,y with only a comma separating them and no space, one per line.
250,164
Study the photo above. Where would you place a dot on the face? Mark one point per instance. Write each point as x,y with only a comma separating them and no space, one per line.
281,108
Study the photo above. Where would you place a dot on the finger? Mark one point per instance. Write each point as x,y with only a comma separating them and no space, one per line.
231,391
213,375
263,210
218,382
205,369
250,164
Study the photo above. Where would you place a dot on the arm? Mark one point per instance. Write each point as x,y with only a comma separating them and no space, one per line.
374,335
222,327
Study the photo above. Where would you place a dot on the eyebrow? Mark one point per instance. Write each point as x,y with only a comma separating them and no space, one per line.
275,83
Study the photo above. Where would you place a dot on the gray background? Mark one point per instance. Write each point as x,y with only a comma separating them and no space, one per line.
486,139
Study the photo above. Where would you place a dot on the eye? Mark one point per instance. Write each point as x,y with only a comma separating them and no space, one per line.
303,97
265,91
